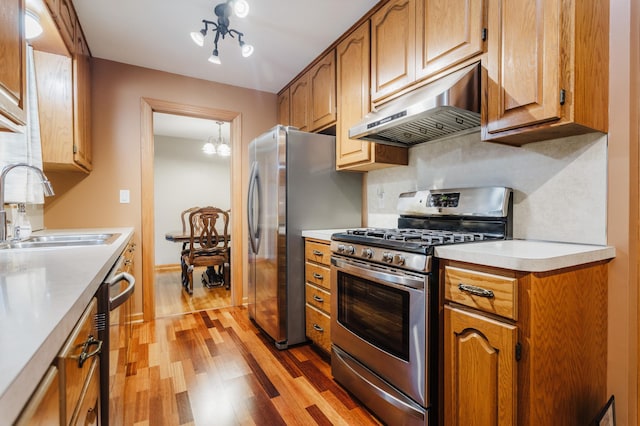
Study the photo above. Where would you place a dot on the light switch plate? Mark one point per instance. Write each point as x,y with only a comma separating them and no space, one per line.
124,196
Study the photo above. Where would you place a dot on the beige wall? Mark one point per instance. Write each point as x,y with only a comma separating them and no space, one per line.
93,200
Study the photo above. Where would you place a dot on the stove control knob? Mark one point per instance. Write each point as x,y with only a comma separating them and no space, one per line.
349,250
341,248
367,252
399,259
387,257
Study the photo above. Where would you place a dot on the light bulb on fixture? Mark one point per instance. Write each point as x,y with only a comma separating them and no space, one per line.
32,27
241,8
214,58
224,150
198,37
247,49
209,148
222,28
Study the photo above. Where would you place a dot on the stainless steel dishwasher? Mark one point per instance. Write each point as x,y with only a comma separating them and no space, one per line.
115,304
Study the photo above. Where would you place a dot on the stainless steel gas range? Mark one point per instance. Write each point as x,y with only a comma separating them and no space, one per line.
384,328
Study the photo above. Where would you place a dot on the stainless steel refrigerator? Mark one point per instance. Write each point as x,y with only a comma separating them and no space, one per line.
293,186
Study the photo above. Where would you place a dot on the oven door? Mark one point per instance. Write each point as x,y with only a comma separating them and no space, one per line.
379,318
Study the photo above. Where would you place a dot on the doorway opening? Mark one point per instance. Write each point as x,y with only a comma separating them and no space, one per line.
192,168
148,108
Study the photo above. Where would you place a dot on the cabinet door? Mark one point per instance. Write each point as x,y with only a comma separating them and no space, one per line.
353,84
393,41
67,23
55,107
43,407
480,370
523,66
299,101
13,69
322,83
283,108
82,153
448,32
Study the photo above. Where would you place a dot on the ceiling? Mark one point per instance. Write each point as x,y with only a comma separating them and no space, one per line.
286,34
183,127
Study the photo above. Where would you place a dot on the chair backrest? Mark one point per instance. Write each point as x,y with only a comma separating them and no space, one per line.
205,238
184,217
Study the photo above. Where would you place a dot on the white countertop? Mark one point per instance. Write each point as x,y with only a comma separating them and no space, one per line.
526,255
321,234
518,255
43,293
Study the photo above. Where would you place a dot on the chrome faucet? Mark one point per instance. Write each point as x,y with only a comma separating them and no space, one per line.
46,188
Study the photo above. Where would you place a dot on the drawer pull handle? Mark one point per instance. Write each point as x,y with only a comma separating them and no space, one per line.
85,355
318,253
316,327
317,276
476,291
318,298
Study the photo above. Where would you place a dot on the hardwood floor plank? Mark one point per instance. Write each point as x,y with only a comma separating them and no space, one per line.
171,299
184,407
215,367
318,416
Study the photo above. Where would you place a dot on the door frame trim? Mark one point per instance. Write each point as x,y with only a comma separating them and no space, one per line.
147,107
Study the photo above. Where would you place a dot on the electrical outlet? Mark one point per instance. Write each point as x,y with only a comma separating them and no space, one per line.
124,196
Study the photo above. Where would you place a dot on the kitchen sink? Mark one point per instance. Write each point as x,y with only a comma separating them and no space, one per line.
62,240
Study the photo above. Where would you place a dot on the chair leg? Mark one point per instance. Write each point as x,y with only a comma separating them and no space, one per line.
184,277
190,275
226,272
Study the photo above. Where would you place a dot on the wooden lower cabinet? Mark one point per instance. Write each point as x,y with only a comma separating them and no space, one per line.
523,348
318,293
480,360
318,328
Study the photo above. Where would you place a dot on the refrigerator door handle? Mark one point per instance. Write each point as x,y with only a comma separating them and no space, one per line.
254,232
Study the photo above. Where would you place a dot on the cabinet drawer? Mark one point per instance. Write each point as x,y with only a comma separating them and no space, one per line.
318,275
490,293
318,298
75,374
319,328
317,252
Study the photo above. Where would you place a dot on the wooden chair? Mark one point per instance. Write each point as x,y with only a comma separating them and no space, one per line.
207,246
184,217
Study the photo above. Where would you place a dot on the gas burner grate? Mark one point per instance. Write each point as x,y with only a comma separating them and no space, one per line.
421,237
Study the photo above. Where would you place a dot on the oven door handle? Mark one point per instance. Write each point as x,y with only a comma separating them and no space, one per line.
403,279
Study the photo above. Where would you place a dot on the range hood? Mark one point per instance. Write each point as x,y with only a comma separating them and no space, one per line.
444,107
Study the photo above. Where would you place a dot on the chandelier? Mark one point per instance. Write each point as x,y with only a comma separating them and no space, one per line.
222,28
220,147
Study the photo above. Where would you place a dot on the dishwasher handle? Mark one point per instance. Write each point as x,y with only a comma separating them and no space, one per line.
122,297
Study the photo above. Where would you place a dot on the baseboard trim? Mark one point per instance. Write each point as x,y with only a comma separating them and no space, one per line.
172,267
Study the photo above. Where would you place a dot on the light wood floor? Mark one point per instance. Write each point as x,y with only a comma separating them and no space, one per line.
171,299
215,368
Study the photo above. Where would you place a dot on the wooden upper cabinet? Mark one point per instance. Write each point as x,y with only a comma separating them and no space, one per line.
546,70
67,23
13,70
312,96
393,41
63,78
448,32
283,107
322,83
299,103
353,82
82,152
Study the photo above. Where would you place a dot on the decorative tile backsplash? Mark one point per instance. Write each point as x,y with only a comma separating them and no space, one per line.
560,186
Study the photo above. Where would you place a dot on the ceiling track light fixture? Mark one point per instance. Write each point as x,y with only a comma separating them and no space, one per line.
222,28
